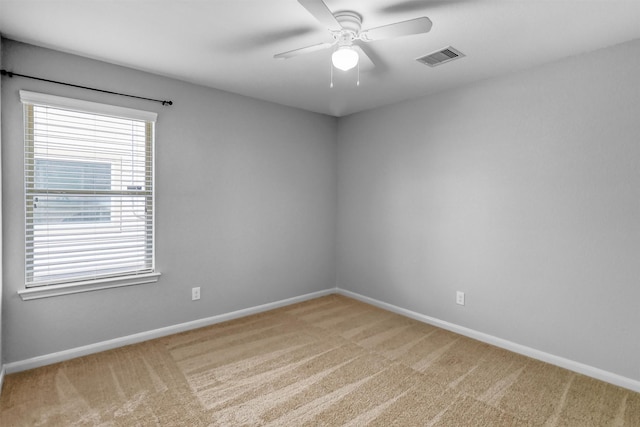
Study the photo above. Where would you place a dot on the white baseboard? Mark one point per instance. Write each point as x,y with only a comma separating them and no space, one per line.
61,356
562,362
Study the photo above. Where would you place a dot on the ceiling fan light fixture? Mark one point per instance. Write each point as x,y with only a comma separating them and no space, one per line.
345,58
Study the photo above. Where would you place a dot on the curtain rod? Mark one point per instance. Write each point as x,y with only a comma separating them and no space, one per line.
12,74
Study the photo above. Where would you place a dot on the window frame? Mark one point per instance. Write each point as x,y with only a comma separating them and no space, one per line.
35,290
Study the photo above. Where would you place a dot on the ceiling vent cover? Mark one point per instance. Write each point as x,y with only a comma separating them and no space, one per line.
440,57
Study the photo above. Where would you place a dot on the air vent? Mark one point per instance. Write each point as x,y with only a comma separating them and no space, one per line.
440,57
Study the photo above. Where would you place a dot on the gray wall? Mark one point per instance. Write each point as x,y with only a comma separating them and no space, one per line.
1,240
523,192
246,206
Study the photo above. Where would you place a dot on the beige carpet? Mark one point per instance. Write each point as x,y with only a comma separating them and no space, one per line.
329,361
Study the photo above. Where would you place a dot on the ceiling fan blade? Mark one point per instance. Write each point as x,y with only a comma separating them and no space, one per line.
373,62
322,13
365,62
409,6
256,40
399,29
303,50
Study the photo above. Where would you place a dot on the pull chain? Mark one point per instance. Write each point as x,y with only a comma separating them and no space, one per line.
331,75
331,66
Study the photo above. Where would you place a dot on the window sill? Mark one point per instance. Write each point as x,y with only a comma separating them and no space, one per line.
88,286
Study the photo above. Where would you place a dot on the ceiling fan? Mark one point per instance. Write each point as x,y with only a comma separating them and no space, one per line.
346,29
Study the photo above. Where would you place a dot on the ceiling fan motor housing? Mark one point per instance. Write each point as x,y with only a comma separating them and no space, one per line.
351,23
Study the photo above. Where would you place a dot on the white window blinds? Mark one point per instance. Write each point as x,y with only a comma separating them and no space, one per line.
89,198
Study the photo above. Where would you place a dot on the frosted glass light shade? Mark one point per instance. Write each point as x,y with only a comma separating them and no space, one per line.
345,58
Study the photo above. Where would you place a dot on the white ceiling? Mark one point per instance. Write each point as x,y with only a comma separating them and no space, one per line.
229,44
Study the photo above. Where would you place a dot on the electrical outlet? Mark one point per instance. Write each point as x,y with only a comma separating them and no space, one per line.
460,298
195,293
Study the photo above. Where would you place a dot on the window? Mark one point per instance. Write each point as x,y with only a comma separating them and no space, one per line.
89,198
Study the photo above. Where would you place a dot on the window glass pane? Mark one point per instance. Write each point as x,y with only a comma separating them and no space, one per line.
71,175
62,208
